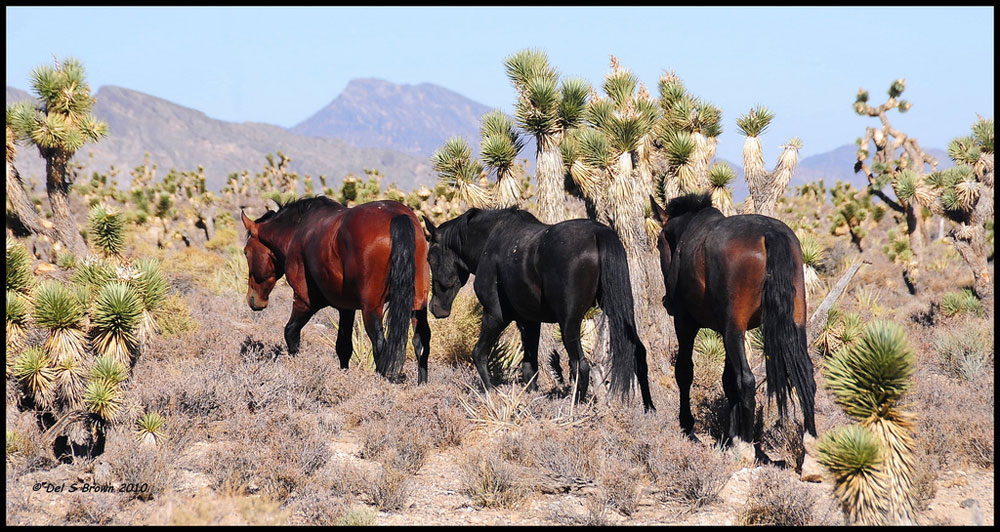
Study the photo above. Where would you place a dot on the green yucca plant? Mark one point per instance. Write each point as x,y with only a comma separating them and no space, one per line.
828,339
33,368
115,322
458,170
93,273
69,375
17,319
106,368
854,457
961,302
58,309
108,230
812,255
152,287
150,429
505,359
869,380
103,398
709,343
19,277
361,348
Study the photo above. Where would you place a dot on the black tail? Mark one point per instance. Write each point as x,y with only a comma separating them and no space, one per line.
787,362
627,351
402,270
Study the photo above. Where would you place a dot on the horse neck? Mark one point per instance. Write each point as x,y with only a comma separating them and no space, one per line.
469,243
275,237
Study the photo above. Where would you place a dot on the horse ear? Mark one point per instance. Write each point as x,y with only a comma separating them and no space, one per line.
249,224
431,230
658,212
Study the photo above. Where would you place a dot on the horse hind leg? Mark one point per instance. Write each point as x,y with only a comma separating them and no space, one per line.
530,332
376,333
579,369
740,387
684,372
345,332
421,343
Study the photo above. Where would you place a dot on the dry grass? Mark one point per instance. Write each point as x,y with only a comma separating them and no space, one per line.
776,498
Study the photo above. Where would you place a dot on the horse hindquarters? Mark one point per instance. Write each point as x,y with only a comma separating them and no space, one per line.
788,364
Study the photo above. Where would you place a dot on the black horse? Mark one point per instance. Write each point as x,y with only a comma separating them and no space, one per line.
530,272
731,274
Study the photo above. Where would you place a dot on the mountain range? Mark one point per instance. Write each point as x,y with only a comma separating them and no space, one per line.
371,124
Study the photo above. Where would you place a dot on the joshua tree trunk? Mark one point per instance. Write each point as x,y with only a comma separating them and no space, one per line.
21,206
549,170
65,229
970,242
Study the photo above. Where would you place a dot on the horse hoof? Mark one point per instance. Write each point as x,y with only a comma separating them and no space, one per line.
691,436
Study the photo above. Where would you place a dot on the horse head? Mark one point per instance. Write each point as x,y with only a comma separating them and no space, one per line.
264,267
448,272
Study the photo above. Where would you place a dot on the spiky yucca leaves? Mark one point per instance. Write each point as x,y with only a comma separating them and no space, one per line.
33,367
709,343
107,369
828,339
19,277
93,273
499,148
854,457
458,170
697,124
152,287
103,398
107,228
17,320
149,431
812,256
869,380
504,362
58,310
960,302
115,322
719,178
69,376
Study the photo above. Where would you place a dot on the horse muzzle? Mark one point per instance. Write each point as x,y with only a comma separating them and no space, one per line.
255,303
439,311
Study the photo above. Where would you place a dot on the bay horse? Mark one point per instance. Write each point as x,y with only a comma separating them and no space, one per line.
731,274
530,272
348,258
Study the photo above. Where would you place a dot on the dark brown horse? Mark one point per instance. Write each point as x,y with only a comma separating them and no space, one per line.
347,258
731,274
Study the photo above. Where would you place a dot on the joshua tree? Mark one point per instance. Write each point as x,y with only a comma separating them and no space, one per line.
964,195
852,209
458,170
765,188
499,148
898,162
546,109
59,126
684,144
868,379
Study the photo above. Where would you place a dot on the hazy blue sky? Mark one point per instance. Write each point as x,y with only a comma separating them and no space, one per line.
280,65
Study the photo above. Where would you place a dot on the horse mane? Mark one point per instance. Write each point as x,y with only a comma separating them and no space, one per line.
692,202
449,237
293,211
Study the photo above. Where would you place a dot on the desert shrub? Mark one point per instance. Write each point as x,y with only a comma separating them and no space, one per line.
966,352
490,481
25,451
775,498
132,463
223,239
313,507
357,516
435,412
89,509
174,316
389,488
454,338
392,442
620,485
955,419
687,472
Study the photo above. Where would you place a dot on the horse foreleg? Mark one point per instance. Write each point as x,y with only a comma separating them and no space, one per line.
345,333
489,333
684,371
579,369
421,343
301,313
740,385
530,331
